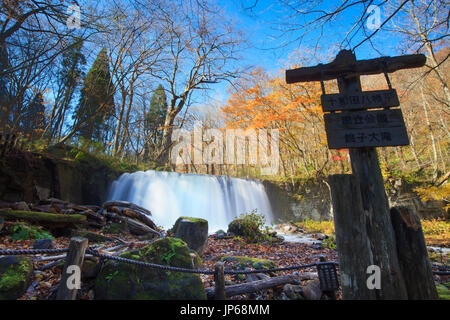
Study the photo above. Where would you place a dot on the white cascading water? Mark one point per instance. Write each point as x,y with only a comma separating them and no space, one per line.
169,195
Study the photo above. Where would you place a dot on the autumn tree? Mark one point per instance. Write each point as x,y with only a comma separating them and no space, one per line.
264,101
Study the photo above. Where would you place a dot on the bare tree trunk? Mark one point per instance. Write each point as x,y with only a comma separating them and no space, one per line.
119,123
430,128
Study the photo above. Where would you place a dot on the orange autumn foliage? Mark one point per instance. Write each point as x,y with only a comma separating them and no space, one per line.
265,102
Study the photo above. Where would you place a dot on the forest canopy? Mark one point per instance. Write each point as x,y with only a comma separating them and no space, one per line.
120,77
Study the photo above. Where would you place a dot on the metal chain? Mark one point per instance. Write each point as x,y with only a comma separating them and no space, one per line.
170,268
152,265
147,264
31,251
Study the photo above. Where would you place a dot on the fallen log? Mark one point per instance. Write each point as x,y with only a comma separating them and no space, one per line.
131,211
53,201
77,207
45,208
138,216
137,227
43,217
125,204
93,215
254,286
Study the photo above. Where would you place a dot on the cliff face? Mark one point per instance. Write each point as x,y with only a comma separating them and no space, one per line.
31,177
304,200
311,199
26,176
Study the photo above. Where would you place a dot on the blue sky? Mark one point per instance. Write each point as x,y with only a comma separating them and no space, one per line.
270,50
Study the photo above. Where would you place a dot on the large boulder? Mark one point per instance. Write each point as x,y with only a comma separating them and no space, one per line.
15,276
194,231
43,244
123,281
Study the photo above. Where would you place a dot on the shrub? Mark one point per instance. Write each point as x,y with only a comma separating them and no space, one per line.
22,231
251,226
311,226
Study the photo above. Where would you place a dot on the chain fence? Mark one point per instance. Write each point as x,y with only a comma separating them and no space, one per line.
158,266
179,269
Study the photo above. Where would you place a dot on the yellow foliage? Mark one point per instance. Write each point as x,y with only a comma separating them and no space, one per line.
436,232
435,193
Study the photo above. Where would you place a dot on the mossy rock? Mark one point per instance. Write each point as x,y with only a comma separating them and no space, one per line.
123,281
197,262
194,231
249,262
90,268
15,276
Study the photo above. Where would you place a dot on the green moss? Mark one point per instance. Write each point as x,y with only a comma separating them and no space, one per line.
114,228
42,216
444,291
14,279
256,263
22,231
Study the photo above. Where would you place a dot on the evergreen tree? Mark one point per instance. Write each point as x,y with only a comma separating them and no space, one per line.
96,106
154,119
33,119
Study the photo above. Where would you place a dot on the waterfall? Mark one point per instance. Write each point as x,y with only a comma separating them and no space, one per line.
169,195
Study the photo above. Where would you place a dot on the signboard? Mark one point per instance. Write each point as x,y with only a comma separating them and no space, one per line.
360,100
359,129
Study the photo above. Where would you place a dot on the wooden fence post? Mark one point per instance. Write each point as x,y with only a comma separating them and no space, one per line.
75,257
351,237
413,255
219,279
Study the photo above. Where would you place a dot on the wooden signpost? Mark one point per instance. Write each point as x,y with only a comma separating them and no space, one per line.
358,129
358,101
351,125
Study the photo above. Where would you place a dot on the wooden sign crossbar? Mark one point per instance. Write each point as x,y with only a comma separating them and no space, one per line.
344,67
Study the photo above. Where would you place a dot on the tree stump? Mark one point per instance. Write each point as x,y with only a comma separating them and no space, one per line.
413,255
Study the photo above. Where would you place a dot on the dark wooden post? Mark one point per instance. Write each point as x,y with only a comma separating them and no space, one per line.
366,168
75,257
351,236
219,279
361,132
413,255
